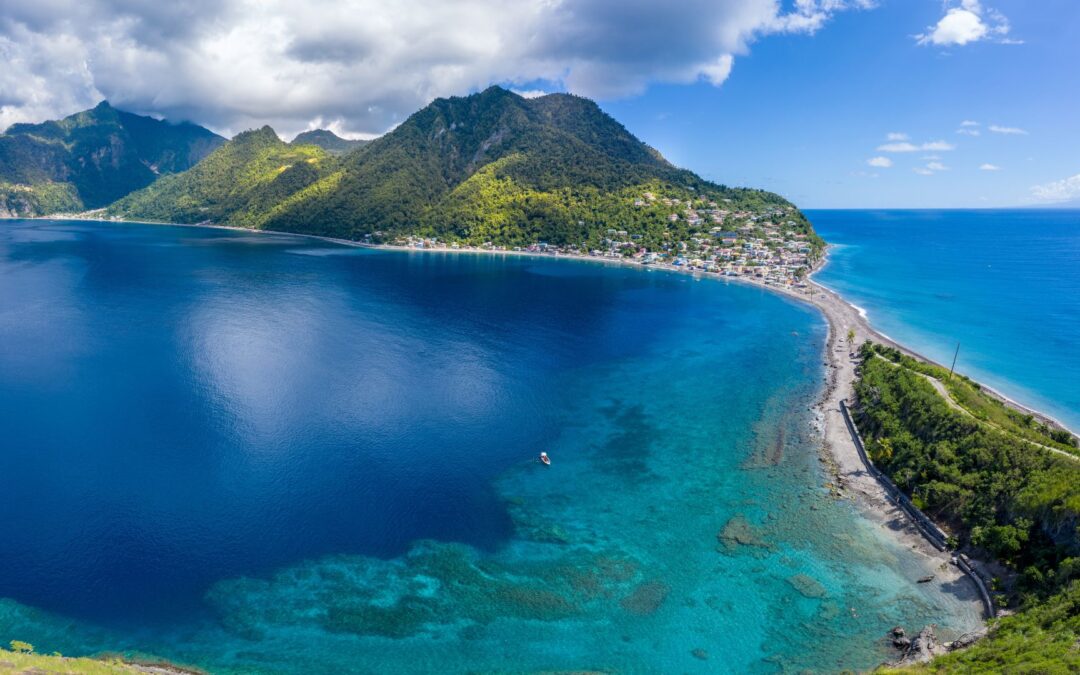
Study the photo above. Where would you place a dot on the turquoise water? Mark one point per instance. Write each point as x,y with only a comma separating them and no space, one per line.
259,453
1005,284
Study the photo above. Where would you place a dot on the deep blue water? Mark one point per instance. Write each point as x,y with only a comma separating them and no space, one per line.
263,453
1005,284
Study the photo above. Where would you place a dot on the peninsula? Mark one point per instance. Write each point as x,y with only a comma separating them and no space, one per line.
554,176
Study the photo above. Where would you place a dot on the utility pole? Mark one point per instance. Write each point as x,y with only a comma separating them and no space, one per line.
954,360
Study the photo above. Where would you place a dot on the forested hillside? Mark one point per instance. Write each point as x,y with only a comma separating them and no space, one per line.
240,184
490,167
92,158
1008,488
327,140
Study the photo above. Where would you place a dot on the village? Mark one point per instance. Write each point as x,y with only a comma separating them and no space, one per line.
768,244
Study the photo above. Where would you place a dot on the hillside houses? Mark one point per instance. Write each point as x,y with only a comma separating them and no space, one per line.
703,235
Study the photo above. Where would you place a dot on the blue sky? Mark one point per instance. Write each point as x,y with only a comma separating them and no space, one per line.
795,96
803,115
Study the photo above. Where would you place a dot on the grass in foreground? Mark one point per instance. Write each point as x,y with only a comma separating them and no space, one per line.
21,659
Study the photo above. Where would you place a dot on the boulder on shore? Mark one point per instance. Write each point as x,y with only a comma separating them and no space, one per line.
921,648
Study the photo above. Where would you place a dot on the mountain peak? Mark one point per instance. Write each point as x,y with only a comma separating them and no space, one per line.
327,140
262,134
98,155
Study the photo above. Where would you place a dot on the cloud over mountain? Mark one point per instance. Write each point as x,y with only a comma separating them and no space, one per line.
361,65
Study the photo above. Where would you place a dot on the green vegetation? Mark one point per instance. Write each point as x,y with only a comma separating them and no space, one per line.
92,158
327,140
969,395
488,168
44,197
998,491
22,659
240,184
1041,640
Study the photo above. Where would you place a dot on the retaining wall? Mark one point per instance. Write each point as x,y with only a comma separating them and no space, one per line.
926,526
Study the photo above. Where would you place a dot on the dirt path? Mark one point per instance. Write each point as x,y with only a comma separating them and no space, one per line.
941,389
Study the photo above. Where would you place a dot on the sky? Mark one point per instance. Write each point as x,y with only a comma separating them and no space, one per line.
832,103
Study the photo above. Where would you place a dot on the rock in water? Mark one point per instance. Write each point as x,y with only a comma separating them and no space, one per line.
646,598
739,532
807,586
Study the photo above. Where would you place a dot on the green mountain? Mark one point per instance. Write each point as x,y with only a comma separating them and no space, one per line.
327,140
490,167
244,183
92,158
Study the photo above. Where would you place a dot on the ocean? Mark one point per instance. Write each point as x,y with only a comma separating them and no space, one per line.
264,453
1003,284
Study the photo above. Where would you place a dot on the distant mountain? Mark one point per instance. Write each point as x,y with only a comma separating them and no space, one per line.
92,158
327,140
492,166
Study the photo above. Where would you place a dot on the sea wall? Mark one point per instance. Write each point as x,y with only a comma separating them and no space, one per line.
922,522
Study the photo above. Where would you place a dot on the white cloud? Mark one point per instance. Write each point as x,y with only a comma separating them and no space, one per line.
905,146
966,22
922,171
990,167
968,131
880,162
1012,131
1058,191
364,64
530,93
969,123
936,166
898,147
896,136
938,146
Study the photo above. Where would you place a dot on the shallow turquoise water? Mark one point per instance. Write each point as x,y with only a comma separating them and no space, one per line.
270,454
1005,284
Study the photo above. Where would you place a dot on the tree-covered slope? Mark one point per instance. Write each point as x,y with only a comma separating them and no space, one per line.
241,183
492,166
1004,491
92,158
327,140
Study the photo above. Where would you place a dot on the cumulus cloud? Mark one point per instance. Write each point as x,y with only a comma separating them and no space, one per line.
989,167
880,162
1059,191
364,64
966,22
1012,131
936,166
896,136
907,146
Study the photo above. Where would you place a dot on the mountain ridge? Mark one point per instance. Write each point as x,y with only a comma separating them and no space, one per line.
489,167
328,140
